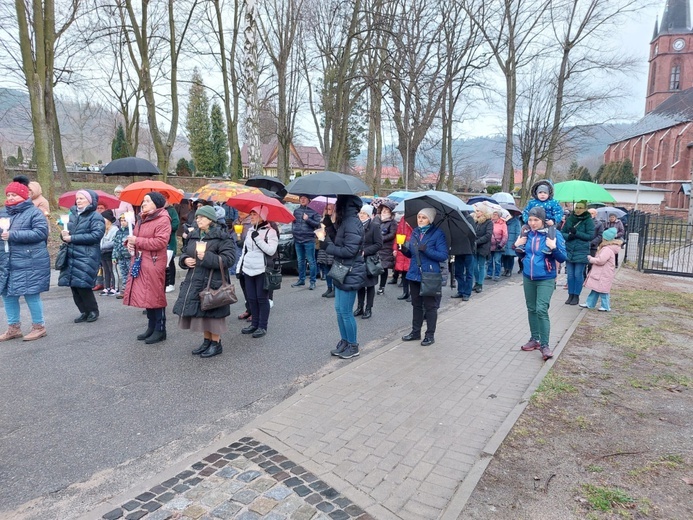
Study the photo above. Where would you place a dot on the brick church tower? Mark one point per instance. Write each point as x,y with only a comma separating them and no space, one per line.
671,54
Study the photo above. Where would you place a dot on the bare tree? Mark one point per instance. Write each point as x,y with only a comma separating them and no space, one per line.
511,29
251,76
143,39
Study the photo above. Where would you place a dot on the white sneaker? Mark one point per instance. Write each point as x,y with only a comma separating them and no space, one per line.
271,303
170,288
603,309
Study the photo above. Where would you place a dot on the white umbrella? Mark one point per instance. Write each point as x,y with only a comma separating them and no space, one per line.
504,197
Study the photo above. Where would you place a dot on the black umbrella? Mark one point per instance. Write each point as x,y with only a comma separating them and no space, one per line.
327,183
269,183
271,194
130,166
456,226
511,208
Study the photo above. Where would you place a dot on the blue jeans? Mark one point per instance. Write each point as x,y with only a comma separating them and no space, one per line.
494,264
508,262
33,301
306,251
576,276
344,307
464,274
479,269
594,296
324,269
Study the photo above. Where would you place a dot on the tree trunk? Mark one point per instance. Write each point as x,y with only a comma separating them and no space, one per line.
511,100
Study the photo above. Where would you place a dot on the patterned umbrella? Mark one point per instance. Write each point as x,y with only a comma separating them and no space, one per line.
222,191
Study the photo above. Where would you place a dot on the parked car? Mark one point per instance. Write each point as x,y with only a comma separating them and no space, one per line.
285,248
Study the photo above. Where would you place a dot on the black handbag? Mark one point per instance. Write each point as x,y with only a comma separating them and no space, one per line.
339,271
224,295
431,283
373,265
61,258
273,276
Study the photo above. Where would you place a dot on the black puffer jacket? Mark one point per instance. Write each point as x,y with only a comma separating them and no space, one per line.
484,232
388,230
84,251
219,245
347,240
372,244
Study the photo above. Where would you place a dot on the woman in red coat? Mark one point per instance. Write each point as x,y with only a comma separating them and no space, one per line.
401,261
148,242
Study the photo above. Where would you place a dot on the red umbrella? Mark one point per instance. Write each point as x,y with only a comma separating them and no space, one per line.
67,199
245,202
135,192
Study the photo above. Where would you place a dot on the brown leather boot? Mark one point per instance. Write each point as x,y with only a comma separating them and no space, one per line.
13,331
37,331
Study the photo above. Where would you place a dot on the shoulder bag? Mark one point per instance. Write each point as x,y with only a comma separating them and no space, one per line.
373,265
431,283
272,280
338,272
214,298
61,258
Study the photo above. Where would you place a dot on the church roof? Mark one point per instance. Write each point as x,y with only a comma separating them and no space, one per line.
677,17
676,109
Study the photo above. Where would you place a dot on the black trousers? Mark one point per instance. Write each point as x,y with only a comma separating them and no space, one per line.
171,272
366,294
425,307
84,299
157,318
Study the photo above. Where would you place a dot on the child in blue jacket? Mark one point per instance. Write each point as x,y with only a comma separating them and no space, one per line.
542,196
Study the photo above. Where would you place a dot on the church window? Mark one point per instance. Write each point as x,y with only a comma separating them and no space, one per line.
653,77
677,149
675,77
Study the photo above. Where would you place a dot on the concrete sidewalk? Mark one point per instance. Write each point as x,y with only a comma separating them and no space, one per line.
404,432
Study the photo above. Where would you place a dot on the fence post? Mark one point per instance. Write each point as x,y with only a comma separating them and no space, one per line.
633,248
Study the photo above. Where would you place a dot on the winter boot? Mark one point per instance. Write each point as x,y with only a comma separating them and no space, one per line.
37,331
358,311
13,331
205,345
156,337
214,349
366,313
146,333
350,351
339,348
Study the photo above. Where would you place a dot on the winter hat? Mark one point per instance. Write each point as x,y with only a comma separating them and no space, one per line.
157,198
108,215
609,234
542,188
207,212
85,194
118,188
367,209
430,214
20,186
538,212
262,211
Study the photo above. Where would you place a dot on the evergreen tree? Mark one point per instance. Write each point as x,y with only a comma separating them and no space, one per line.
387,183
400,182
20,155
198,126
573,169
618,172
583,174
119,145
182,167
220,151
191,167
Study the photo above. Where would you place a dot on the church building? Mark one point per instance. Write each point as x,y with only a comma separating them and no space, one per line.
660,145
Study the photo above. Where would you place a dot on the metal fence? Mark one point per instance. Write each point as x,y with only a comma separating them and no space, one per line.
664,244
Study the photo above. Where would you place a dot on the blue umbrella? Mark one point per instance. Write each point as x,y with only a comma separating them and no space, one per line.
399,196
481,198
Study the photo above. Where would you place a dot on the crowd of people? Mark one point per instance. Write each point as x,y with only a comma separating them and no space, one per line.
358,249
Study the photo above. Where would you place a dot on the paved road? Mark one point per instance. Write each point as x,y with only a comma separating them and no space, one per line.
91,405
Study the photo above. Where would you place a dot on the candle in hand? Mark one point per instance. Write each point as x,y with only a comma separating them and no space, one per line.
5,226
238,228
64,219
200,247
400,239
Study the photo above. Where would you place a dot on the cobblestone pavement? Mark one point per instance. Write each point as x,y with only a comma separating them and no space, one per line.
404,432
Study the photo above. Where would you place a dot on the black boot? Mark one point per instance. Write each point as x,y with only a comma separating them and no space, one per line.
575,299
392,281
404,296
146,333
156,337
205,345
367,313
339,348
569,301
358,311
214,350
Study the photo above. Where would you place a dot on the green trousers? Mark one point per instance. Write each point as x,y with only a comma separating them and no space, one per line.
538,298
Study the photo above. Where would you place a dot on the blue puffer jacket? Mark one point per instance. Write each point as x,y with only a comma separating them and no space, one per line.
347,242
514,229
304,230
538,266
83,252
26,268
435,253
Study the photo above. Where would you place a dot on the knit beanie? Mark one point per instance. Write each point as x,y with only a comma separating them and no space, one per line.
20,186
609,234
538,212
157,198
85,194
263,211
430,214
542,188
367,209
207,212
108,215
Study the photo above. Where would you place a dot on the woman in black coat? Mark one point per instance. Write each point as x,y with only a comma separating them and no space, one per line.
343,239
388,230
83,236
200,263
372,244
484,232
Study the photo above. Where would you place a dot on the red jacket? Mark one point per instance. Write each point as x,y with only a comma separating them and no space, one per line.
401,261
148,290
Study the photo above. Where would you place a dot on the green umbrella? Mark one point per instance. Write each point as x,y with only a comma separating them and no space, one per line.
573,191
